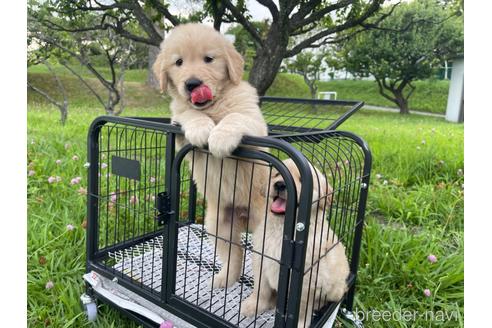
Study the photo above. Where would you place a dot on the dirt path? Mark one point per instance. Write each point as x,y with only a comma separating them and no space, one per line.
396,110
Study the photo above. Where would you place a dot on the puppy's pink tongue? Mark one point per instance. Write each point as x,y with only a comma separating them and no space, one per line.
278,205
201,94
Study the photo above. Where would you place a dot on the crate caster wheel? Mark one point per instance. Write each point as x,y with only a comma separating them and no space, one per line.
90,307
348,315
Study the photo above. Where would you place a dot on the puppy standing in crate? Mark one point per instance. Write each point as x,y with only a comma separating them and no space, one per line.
202,72
325,254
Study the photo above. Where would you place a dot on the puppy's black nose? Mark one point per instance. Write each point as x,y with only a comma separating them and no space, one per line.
192,84
279,186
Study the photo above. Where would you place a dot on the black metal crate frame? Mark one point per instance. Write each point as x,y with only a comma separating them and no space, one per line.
281,143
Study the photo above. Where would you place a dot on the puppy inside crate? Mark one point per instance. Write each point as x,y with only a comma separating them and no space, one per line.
253,296
215,107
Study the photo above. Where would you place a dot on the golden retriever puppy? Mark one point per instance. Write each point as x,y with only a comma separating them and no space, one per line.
324,254
202,72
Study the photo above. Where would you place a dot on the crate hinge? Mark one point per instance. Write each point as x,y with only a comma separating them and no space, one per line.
295,254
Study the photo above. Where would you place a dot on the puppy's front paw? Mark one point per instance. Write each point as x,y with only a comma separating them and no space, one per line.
248,306
222,280
198,135
222,143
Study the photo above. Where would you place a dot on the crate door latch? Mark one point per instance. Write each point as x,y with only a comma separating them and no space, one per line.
163,205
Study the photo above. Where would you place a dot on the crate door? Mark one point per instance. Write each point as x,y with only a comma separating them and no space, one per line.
127,175
204,191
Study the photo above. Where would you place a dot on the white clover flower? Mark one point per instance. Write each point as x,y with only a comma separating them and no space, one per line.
432,258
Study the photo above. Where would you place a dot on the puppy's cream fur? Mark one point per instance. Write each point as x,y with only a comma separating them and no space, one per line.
332,269
232,114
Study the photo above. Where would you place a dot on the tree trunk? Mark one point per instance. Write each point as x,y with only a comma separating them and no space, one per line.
268,59
151,78
64,112
402,103
313,89
153,53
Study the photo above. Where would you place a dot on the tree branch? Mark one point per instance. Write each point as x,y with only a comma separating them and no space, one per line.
157,5
350,35
103,26
61,106
58,82
271,7
298,22
304,9
146,24
44,94
375,5
303,30
410,24
126,7
412,89
84,82
218,11
244,22
383,86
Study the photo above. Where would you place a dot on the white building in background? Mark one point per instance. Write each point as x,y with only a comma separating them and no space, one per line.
340,75
455,110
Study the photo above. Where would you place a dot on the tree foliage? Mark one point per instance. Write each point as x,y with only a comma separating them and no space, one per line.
244,42
309,65
294,25
95,50
407,46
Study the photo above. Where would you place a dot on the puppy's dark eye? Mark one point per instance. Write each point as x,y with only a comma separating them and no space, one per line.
208,59
179,62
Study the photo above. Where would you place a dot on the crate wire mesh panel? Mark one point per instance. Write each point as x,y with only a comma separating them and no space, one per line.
288,115
147,215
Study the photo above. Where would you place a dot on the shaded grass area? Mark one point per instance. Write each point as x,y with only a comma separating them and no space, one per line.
131,75
415,208
137,95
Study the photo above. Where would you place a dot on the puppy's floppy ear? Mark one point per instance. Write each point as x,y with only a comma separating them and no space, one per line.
159,70
235,63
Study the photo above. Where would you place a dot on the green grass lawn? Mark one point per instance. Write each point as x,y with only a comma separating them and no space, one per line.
415,208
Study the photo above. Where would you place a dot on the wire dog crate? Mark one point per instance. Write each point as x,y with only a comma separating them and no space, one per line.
157,240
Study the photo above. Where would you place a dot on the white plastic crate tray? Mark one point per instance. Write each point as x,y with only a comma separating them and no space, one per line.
195,268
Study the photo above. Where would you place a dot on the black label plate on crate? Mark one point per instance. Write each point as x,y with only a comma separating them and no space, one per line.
128,168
